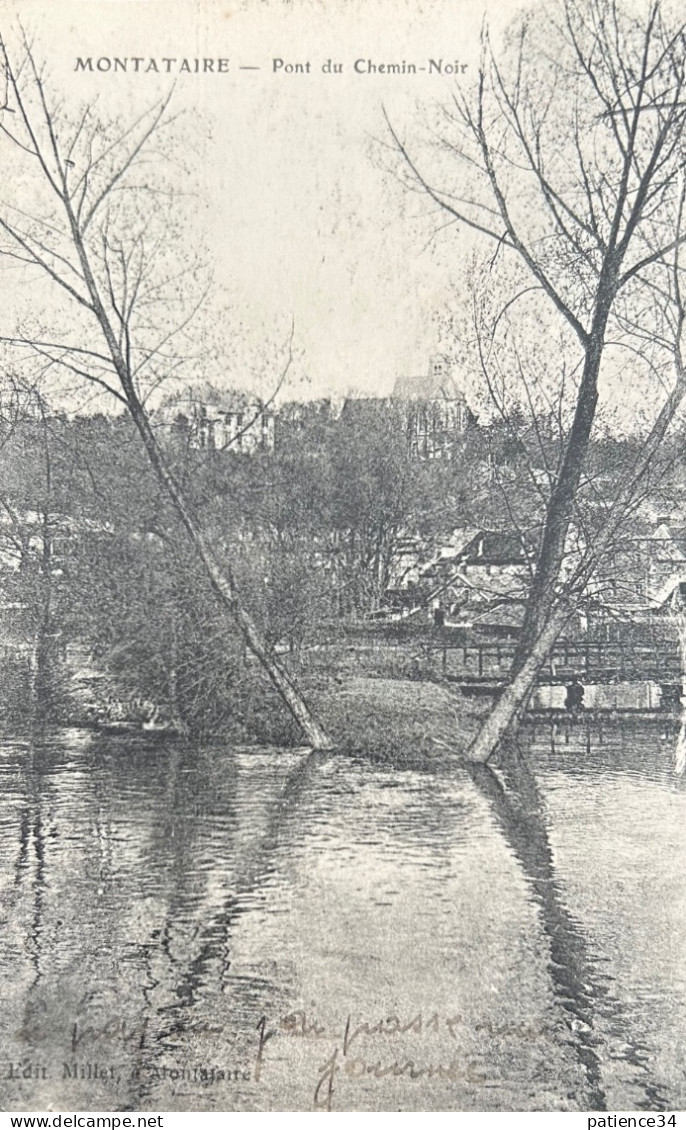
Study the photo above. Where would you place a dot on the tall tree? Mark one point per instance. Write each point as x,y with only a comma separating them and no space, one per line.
93,224
569,156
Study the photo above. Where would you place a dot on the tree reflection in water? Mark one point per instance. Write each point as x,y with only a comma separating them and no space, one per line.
582,991
173,1020
157,886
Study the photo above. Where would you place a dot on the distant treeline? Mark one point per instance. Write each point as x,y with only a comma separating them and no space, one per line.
95,567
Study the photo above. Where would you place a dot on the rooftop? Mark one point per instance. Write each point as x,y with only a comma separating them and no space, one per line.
427,386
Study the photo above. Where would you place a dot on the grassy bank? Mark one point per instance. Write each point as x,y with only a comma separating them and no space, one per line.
397,720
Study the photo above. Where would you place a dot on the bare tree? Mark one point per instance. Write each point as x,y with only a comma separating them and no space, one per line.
95,226
570,157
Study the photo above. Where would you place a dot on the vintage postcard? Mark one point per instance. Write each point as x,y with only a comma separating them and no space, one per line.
342,556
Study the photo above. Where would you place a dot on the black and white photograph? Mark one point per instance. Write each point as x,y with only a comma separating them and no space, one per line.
343,556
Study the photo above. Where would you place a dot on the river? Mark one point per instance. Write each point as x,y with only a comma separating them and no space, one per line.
260,929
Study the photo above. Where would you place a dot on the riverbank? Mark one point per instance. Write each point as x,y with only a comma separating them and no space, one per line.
398,720
394,720
390,718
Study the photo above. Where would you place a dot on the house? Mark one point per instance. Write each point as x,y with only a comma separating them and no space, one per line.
437,413
477,577
242,424
643,570
225,421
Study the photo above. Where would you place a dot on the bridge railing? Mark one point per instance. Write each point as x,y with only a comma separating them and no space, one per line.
462,659
592,662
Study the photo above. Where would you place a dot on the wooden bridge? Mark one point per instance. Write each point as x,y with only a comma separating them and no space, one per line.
489,663
485,664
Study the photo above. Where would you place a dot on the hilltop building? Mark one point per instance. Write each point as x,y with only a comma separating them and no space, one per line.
437,412
227,421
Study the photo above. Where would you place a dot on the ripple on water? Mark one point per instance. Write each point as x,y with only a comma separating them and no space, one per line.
163,899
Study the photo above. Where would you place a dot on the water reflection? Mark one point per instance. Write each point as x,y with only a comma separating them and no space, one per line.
517,804
159,902
210,956
580,986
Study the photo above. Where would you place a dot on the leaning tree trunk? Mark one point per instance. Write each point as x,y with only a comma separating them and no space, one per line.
509,706
560,506
507,710
542,621
222,582
219,574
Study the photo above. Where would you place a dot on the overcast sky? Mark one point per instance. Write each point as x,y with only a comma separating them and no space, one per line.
303,218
